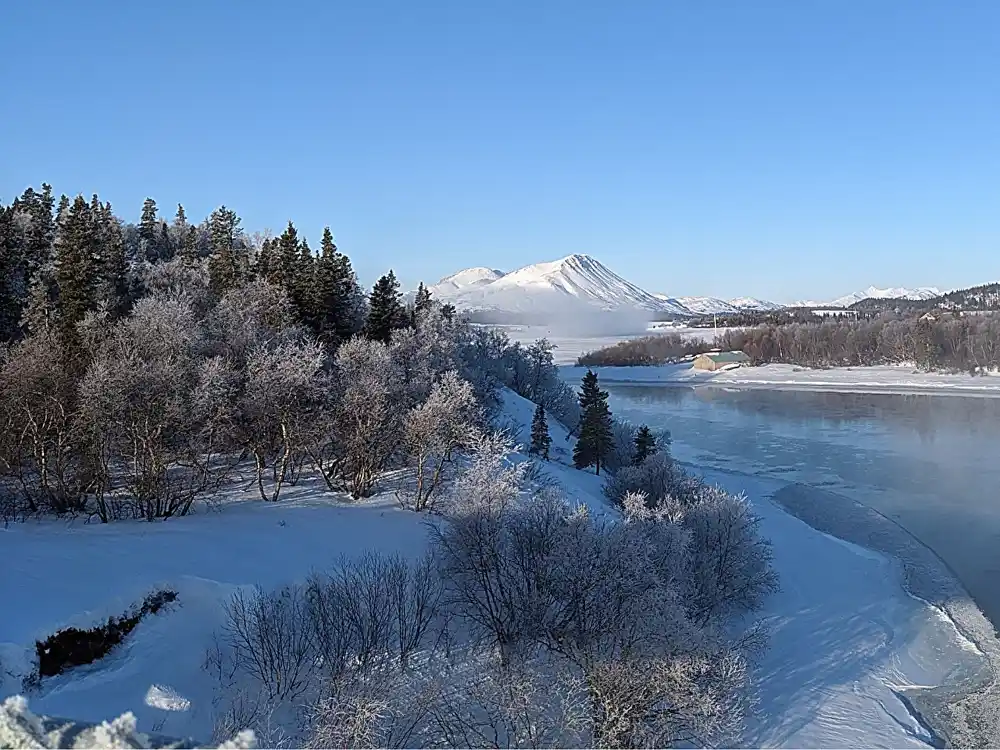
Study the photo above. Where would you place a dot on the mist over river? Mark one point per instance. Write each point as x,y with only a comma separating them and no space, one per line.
929,462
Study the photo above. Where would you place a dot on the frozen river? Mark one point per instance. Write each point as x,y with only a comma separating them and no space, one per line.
930,462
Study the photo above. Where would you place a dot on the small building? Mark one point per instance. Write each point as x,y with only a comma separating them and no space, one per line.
713,361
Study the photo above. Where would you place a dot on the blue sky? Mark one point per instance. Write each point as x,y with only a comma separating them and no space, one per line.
777,149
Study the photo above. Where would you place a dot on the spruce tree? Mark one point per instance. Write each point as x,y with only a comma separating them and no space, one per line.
226,267
540,440
40,233
595,441
11,298
645,445
287,260
337,293
76,270
303,286
114,276
264,267
149,231
189,245
385,311
421,302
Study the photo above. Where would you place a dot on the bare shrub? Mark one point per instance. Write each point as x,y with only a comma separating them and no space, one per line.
531,704
268,638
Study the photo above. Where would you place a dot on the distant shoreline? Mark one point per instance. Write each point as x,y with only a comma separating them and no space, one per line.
876,379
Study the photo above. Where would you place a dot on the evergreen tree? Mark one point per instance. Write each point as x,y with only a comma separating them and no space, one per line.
114,275
226,266
12,298
77,269
62,210
303,286
540,440
337,294
189,245
287,260
264,267
422,301
40,232
149,231
595,441
165,247
385,311
645,445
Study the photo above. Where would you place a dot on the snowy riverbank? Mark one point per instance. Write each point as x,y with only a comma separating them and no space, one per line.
876,379
847,641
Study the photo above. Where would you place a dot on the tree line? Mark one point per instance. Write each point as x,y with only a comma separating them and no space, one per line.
142,363
968,343
946,341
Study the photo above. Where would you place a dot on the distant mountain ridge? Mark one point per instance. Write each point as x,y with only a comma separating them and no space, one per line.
579,283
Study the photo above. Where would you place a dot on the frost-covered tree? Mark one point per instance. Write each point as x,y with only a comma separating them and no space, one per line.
37,405
540,440
730,561
153,414
369,422
445,422
250,316
658,478
286,390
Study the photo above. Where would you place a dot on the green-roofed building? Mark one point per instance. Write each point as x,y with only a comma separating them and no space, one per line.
718,360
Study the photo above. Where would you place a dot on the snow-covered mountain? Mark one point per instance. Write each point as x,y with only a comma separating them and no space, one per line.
753,303
573,282
576,282
707,305
463,280
873,292
896,292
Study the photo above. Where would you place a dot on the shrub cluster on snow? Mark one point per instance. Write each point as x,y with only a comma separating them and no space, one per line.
530,623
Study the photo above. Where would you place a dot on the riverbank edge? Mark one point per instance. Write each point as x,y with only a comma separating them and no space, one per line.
965,711
683,377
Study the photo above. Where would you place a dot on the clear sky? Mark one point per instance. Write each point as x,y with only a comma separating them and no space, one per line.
803,148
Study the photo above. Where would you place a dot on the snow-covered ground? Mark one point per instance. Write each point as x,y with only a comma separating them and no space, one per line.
877,379
846,635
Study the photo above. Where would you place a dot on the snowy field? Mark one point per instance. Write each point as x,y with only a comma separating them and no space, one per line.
876,379
846,639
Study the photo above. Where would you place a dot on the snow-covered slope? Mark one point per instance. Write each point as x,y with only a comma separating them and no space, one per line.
896,292
561,286
873,292
707,305
463,280
754,303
